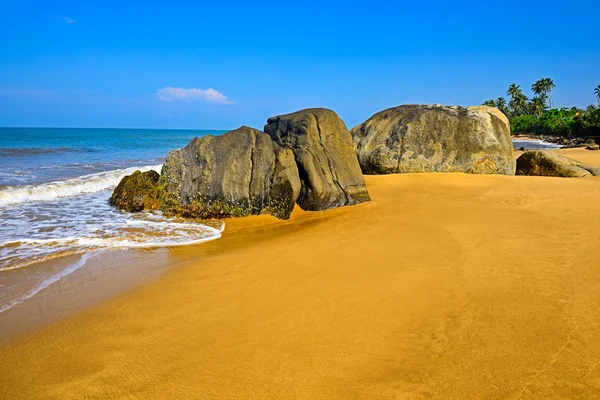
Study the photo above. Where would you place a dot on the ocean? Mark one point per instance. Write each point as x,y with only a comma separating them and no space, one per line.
54,190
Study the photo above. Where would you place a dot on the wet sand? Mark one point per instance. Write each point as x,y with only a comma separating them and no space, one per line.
446,286
105,274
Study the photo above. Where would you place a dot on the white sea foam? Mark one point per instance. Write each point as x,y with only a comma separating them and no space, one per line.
73,216
69,187
535,144
54,203
32,232
37,232
30,240
173,234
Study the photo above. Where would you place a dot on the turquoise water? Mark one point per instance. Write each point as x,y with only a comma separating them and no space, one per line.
38,155
54,191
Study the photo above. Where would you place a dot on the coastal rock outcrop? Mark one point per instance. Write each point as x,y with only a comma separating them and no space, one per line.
592,145
547,163
137,192
239,173
322,146
435,138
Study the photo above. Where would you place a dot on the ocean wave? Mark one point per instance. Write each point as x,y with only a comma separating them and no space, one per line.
69,187
39,231
211,232
535,144
22,252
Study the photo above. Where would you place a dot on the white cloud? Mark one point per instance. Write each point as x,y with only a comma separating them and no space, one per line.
69,20
172,93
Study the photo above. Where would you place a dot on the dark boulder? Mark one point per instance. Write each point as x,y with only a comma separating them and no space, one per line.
137,192
239,173
547,163
329,171
434,138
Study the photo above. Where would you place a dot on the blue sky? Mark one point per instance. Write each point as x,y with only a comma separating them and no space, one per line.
150,65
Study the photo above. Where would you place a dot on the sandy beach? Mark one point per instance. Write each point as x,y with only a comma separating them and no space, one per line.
445,286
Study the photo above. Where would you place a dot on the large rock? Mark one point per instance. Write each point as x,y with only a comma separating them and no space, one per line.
434,138
137,192
547,163
239,173
322,146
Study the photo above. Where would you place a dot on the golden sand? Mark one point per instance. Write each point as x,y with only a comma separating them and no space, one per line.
445,286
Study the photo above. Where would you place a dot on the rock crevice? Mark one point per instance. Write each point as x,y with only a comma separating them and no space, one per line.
322,146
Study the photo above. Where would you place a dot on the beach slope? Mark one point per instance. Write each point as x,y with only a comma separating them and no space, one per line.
446,286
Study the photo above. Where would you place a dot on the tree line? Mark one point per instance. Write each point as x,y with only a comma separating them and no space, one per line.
538,114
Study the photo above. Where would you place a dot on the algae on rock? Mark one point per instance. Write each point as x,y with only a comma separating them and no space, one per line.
239,173
136,192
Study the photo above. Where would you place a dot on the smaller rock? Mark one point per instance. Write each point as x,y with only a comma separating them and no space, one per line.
591,145
137,192
547,163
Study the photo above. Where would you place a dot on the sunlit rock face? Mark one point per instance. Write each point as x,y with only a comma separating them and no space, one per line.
435,138
322,146
239,173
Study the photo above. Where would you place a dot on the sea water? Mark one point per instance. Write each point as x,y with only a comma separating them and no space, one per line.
54,191
534,144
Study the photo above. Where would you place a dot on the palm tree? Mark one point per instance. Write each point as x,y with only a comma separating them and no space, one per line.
537,106
538,87
518,101
501,105
513,90
548,85
542,88
597,93
490,103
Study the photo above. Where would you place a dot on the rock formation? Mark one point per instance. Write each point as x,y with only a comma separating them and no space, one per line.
137,192
329,171
434,138
239,173
547,163
592,145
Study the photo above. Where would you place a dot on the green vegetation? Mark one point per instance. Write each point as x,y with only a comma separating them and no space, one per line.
538,115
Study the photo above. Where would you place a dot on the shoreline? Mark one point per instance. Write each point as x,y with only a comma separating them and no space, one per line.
254,312
100,278
565,141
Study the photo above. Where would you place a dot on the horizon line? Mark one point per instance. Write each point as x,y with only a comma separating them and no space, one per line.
96,127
